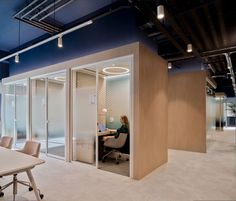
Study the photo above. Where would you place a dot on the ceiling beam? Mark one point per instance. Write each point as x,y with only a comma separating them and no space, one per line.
185,21
173,59
201,30
217,52
179,31
221,22
212,28
151,15
203,4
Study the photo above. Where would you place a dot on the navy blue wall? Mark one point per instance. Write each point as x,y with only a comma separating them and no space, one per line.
187,66
4,70
114,30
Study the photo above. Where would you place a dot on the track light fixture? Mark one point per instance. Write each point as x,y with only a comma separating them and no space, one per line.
59,41
169,65
160,12
189,47
17,58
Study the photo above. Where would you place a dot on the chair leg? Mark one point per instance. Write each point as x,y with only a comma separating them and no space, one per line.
14,187
104,157
118,155
14,183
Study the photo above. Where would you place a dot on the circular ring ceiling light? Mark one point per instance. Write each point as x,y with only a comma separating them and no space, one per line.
60,78
115,70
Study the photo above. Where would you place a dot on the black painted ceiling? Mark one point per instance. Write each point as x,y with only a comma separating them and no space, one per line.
210,25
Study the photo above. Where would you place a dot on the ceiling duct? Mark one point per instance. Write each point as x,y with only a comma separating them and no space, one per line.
230,67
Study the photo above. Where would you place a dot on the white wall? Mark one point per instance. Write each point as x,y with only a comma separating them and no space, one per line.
117,99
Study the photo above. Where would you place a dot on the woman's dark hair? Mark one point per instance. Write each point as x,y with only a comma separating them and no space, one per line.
125,120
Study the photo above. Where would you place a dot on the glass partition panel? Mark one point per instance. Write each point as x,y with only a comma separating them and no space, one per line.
84,115
56,114
20,98
9,107
38,105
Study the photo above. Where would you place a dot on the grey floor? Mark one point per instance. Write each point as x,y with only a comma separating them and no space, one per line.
110,165
187,176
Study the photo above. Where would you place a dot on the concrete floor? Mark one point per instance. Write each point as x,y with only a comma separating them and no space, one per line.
188,176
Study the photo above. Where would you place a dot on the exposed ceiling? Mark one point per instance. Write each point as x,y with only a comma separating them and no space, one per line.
209,25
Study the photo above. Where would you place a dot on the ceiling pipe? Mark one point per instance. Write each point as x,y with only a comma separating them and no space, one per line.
230,67
213,53
48,39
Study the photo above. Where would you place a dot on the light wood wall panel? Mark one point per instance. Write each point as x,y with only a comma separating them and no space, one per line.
150,131
187,111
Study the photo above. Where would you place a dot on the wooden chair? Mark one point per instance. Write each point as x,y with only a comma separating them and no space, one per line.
6,141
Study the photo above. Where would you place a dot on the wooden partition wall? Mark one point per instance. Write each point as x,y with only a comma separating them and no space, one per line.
150,114
187,111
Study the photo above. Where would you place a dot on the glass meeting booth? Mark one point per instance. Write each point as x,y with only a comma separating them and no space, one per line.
72,111
101,95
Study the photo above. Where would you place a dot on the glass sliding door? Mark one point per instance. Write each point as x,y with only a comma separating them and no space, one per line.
48,113
20,113
56,95
9,109
38,112
15,107
114,106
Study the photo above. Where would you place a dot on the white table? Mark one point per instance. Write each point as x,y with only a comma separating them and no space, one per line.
13,162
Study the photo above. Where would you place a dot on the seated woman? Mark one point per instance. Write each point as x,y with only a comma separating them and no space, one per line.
123,129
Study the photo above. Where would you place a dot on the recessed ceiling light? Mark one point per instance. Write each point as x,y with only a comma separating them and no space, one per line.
115,70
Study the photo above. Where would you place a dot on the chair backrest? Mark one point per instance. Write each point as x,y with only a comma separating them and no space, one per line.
31,148
6,141
116,143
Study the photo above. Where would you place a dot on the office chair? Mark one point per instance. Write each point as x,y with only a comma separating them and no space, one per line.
115,144
6,141
30,148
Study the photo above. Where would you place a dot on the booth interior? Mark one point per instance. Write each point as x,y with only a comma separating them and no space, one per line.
101,95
